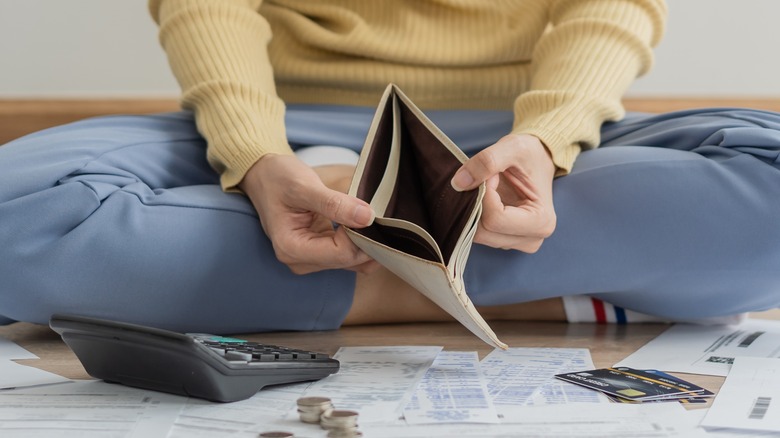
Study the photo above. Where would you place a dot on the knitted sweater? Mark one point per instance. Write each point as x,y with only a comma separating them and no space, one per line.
562,66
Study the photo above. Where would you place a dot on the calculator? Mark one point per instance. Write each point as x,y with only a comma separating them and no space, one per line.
216,368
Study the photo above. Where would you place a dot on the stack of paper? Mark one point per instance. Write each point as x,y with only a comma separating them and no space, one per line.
422,391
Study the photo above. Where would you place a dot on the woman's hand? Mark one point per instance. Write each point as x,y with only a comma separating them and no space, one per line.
517,211
297,211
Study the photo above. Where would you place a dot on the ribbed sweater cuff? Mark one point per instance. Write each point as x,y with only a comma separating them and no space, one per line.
566,122
241,123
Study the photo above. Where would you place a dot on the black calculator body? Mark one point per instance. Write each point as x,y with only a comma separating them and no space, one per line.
198,365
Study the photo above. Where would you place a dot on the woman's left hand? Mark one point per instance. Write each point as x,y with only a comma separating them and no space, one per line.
517,211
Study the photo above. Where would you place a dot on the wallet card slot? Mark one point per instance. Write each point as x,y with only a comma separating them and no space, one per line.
403,240
384,192
420,234
373,169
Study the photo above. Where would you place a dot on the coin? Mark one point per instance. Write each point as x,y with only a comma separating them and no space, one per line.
313,401
311,409
276,434
339,420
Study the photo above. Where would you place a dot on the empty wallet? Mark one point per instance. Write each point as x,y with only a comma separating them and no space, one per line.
424,228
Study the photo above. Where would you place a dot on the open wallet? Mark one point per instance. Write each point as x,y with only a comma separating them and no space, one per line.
424,228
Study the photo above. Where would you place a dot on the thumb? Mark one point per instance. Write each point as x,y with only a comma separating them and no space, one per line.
463,180
478,169
344,209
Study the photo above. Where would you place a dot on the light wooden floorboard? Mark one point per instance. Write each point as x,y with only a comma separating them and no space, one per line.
23,116
608,343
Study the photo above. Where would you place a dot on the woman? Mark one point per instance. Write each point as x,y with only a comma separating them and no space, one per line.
122,217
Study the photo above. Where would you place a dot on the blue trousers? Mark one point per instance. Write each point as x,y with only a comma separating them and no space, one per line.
676,215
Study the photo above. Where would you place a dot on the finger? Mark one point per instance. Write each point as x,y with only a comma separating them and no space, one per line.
522,184
312,253
342,208
493,182
502,241
507,220
368,267
525,221
481,167
493,207
528,219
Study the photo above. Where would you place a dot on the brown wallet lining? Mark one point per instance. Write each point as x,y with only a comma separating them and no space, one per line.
422,194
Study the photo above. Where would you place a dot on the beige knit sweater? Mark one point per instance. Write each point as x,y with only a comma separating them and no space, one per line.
561,65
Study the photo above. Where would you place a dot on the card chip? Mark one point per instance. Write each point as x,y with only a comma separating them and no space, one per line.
630,392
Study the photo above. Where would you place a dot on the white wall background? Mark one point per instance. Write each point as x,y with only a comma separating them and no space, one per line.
108,48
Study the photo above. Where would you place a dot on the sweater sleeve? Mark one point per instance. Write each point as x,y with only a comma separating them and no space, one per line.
217,50
582,67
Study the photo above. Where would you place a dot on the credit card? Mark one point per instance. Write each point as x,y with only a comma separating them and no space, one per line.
635,385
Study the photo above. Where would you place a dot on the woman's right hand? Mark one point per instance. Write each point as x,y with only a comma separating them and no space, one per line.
297,211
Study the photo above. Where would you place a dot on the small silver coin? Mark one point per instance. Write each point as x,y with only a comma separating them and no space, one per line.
310,409
331,426
339,419
313,401
310,419
318,411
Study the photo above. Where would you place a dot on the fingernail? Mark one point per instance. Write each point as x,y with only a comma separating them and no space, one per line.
363,215
461,180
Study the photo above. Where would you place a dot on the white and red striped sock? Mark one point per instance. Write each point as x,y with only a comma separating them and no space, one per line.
582,308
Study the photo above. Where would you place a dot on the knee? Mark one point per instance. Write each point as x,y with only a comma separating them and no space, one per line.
116,146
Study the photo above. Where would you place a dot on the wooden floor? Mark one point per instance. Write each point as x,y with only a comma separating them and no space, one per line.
23,116
608,343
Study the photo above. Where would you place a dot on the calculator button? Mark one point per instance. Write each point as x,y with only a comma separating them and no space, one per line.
264,357
219,351
237,355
